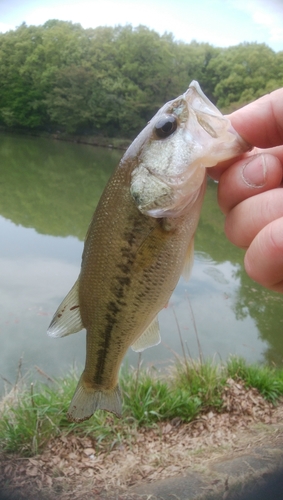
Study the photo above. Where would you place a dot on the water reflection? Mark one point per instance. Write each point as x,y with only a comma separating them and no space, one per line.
48,191
35,272
52,186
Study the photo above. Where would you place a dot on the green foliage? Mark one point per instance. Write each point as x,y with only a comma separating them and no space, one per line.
245,72
268,381
204,380
59,76
29,422
148,399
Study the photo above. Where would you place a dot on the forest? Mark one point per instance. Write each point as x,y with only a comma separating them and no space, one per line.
109,81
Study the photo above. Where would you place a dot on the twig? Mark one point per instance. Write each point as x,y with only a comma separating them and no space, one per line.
189,352
195,329
31,395
6,380
138,371
41,372
19,372
181,340
53,424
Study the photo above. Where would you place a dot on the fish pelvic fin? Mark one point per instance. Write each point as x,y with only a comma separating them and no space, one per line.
87,400
67,318
149,338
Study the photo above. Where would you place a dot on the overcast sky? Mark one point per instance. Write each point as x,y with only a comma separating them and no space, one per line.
219,22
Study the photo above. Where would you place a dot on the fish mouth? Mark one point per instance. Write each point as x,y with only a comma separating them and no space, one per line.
214,130
195,98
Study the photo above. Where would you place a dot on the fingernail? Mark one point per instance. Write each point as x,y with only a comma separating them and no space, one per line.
254,171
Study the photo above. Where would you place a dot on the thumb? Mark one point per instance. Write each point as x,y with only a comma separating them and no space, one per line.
261,122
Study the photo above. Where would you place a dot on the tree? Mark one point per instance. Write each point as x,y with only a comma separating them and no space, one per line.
240,74
111,81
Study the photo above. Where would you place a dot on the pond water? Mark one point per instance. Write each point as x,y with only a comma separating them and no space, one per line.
48,192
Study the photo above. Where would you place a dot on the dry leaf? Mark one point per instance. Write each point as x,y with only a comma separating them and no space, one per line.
32,472
89,451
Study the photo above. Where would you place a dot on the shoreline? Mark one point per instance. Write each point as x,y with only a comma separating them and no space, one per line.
88,140
129,458
214,455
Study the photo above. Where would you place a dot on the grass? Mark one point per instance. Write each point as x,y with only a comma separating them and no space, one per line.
268,381
32,415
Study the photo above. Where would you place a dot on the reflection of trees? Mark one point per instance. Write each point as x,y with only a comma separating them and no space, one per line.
52,186
264,306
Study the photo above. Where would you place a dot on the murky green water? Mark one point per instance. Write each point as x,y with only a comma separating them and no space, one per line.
48,192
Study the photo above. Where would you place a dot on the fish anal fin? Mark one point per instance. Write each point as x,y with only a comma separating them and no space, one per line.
67,318
149,338
87,400
189,260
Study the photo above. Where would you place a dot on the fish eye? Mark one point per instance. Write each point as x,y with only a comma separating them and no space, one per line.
166,126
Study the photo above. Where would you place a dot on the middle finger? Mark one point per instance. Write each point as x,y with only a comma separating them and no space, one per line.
248,177
247,218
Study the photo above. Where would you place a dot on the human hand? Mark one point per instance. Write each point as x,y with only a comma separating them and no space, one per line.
250,190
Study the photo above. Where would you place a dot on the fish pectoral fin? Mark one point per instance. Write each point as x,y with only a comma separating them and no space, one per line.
67,318
87,400
149,338
189,260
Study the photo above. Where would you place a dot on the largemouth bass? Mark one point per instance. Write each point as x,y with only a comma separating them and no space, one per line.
140,240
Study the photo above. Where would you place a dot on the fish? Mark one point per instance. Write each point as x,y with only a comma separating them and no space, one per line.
140,241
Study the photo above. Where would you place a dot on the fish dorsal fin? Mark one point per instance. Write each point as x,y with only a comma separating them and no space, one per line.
187,270
149,338
67,318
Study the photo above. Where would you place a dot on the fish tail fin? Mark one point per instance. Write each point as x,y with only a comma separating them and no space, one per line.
87,400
